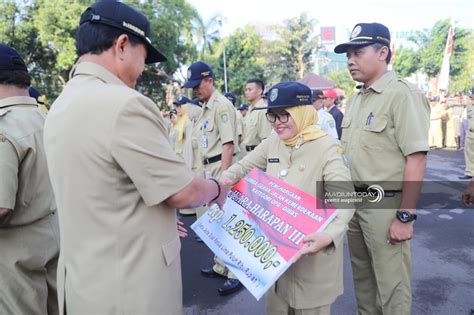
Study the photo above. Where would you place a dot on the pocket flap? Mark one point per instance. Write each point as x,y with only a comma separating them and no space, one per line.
377,125
171,250
346,122
4,111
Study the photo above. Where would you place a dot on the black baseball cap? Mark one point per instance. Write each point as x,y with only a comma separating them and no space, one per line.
120,15
288,94
364,34
10,59
231,97
243,107
318,95
182,100
196,72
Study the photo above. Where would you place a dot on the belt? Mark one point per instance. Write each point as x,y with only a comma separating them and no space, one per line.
213,159
250,147
387,193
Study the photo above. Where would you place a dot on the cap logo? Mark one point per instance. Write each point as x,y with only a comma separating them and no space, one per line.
273,95
205,73
189,74
356,31
133,28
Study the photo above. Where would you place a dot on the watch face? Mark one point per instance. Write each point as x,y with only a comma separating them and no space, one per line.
405,215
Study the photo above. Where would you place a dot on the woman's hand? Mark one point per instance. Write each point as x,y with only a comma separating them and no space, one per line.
314,243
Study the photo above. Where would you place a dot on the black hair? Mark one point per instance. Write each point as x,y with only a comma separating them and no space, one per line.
18,78
258,82
378,46
96,38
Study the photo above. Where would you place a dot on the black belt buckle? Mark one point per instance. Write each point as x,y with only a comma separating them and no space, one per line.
212,159
250,148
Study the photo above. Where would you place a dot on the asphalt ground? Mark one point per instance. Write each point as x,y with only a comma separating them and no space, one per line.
442,254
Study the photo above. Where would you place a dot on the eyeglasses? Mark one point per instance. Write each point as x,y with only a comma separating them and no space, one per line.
272,117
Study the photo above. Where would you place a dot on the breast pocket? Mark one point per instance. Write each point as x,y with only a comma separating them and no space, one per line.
374,135
345,125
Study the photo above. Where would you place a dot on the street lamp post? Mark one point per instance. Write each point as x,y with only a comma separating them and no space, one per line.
223,51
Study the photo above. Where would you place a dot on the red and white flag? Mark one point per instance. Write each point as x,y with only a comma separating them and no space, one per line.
443,81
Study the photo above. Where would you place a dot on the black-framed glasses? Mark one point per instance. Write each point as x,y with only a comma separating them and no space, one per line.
272,117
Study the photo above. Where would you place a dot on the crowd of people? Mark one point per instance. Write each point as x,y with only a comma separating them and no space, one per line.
90,191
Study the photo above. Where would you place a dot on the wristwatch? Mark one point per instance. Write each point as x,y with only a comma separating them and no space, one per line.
405,216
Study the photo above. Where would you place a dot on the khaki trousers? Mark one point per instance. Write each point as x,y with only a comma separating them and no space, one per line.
275,305
381,271
28,263
436,134
469,153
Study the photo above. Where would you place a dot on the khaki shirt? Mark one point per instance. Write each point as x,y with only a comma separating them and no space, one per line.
193,111
382,125
216,126
112,168
24,184
313,280
257,127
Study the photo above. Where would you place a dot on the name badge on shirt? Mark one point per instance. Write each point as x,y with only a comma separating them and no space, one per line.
273,160
205,140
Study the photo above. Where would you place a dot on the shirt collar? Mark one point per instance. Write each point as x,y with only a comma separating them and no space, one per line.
17,100
94,69
209,104
382,82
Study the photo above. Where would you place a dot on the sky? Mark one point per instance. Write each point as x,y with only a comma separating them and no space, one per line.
398,16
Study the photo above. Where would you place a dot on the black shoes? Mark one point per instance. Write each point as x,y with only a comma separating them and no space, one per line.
210,273
465,177
230,286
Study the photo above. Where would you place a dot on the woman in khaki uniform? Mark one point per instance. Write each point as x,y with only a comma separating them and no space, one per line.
307,158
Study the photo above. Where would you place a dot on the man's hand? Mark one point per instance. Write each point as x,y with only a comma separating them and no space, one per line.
468,195
400,232
220,201
314,243
228,179
182,232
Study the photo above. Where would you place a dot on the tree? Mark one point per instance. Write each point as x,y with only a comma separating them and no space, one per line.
343,80
432,43
243,57
407,62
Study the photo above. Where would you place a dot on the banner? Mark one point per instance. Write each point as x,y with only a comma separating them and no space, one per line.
443,83
261,228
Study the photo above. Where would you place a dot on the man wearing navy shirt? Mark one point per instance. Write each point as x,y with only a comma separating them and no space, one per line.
330,98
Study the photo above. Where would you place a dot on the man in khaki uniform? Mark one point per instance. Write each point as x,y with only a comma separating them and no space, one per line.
242,111
193,111
311,284
217,142
257,127
469,142
240,126
29,232
385,134
115,176
453,127
436,131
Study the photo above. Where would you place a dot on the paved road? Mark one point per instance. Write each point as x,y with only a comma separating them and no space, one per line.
443,255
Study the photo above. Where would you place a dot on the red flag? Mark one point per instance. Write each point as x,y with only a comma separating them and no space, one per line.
443,82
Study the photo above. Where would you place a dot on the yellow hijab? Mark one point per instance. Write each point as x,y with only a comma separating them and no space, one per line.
306,118
180,125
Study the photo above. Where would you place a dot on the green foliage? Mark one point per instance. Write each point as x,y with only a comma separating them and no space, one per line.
432,43
343,80
290,56
407,62
243,58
